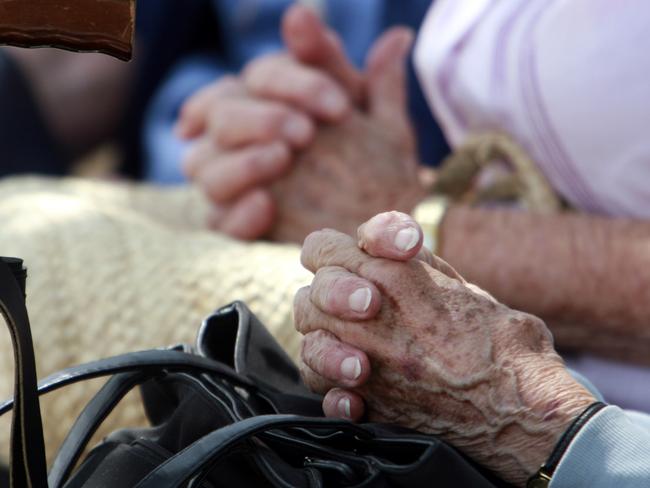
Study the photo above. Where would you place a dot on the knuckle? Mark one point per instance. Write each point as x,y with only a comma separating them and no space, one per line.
300,307
320,248
314,345
316,351
257,72
328,245
315,85
333,294
305,373
530,331
326,276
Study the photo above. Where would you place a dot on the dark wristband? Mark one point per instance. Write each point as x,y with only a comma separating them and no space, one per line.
542,478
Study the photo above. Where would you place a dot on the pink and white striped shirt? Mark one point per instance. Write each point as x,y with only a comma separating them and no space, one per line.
569,79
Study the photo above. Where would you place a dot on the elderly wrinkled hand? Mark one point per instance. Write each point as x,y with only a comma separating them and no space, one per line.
394,332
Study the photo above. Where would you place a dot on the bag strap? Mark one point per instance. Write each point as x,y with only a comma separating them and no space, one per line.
28,467
155,360
208,450
90,419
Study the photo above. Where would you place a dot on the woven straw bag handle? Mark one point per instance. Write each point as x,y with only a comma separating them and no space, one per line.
526,184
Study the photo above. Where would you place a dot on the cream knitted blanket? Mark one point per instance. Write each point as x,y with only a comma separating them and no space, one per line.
116,267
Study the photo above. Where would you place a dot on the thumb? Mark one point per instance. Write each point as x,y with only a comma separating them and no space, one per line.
311,42
386,67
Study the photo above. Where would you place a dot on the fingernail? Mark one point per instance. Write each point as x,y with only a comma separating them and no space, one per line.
359,300
406,239
344,407
296,129
351,368
333,103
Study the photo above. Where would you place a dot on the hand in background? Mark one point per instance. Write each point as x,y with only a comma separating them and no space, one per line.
347,132
361,166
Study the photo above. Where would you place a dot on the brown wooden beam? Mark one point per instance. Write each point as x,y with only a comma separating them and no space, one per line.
105,26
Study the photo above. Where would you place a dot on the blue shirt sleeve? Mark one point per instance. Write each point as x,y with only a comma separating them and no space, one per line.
611,450
163,150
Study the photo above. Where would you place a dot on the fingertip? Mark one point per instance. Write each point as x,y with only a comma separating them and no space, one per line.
189,123
360,299
406,239
343,404
392,46
301,303
334,104
329,357
391,235
299,130
300,31
308,247
187,128
355,369
251,217
346,296
364,302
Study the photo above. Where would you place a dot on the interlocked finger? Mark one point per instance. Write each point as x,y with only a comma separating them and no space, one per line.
227,176
284,79
240,121
337,362
344,295
314,381
340,403
332,248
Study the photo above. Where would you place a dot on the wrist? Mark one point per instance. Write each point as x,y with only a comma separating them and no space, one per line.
534,398
553,399
543,477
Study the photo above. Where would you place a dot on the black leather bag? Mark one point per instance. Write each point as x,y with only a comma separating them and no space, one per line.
229,412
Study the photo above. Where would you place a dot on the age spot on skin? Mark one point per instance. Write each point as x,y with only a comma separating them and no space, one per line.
412,370
531,332
471,314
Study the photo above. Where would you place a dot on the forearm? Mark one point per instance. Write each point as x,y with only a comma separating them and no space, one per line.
589,272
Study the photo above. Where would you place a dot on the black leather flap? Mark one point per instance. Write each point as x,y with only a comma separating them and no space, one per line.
235,336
